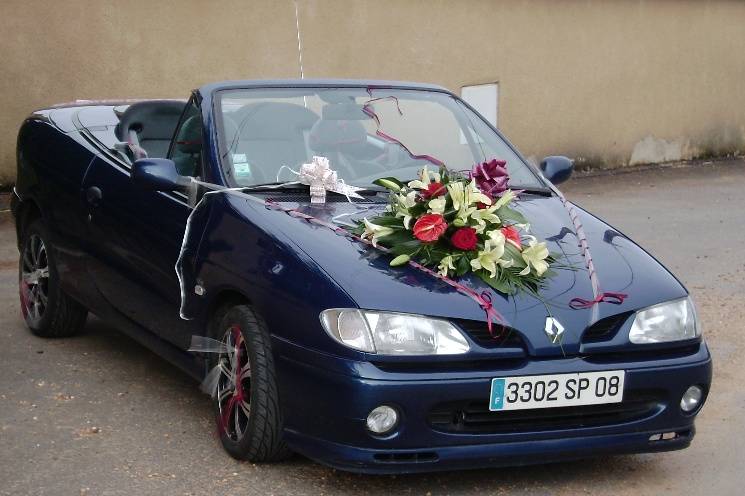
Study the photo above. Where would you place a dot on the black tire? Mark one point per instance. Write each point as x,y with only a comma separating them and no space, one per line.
48,311
254,435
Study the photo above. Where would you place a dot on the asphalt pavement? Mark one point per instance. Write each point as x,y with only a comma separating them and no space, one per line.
98,414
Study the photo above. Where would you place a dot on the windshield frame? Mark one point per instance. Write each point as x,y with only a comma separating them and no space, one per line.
226,169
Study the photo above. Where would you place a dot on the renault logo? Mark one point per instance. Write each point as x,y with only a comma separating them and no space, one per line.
554,330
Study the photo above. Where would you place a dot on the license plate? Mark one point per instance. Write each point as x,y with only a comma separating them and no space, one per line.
549,391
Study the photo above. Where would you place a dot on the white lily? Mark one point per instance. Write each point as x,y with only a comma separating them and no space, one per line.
475,195
462,215
374,232
403,203
506,198
437,205
445,264
491,256
465,195
535,255
425,177
457,194
484,216
497,236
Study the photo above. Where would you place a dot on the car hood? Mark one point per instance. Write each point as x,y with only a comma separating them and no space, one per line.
365,275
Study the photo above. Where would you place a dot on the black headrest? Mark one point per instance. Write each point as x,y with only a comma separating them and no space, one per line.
273,121
189,139
327,136
154,119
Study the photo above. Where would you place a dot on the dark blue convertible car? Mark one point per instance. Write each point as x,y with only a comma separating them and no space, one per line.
181,223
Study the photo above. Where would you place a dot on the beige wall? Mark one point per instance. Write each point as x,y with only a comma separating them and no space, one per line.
610,82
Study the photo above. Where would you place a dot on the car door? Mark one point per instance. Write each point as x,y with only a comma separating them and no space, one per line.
136,237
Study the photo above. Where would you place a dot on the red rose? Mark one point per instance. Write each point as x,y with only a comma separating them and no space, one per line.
512,235
433,191
428,228
464,238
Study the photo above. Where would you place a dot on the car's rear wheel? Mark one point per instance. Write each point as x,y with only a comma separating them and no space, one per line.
48,311
246,399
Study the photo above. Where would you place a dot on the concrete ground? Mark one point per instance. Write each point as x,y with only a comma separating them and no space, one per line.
99,414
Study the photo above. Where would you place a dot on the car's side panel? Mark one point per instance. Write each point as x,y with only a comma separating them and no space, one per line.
135,238
285,287
51,168
54,162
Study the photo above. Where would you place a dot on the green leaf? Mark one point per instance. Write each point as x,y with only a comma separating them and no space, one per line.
406,247
514,254
463,265
496,282
508,213
395,238
390,183
418,210
400,260
388,221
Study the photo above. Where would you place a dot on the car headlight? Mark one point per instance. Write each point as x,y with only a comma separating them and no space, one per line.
671,321
393,333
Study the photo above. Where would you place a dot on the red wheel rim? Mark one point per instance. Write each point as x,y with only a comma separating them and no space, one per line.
234,385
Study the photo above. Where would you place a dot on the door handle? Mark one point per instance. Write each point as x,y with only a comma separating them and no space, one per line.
94,196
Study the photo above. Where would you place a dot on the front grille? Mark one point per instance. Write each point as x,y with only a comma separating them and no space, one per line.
411,457
501,337
605,329
475,417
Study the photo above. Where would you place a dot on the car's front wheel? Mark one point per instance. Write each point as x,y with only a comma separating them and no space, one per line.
245,396
49,312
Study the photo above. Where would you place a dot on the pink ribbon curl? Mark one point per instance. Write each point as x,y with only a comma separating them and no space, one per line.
607,297
367,109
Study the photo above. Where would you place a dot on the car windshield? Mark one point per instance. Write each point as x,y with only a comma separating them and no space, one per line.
366,134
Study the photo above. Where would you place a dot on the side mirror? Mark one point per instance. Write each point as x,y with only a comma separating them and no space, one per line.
557,169
158,174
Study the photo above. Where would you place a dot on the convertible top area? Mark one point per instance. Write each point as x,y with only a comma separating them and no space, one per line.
148,125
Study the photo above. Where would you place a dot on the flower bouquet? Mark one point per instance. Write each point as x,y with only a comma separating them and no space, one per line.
461,223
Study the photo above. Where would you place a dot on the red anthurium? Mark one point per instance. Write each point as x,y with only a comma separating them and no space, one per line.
512,236
464,238
428,228
433,191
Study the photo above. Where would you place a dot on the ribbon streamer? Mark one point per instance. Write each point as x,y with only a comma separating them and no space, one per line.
483,299
204,344
598,295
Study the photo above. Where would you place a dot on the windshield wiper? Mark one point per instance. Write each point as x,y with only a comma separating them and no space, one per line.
532,190
275,186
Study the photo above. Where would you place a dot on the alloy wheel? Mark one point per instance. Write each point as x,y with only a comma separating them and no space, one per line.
34,280
234,385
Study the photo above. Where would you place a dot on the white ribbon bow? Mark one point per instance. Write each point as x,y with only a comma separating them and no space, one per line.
321,178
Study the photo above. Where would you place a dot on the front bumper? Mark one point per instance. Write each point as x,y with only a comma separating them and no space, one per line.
325,411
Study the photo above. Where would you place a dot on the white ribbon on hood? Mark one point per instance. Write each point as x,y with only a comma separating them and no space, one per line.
321,178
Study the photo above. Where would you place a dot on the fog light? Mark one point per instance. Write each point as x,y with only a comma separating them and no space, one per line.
691,399
382,419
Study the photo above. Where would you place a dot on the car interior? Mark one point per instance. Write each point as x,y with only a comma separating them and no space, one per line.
270,135
148,126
